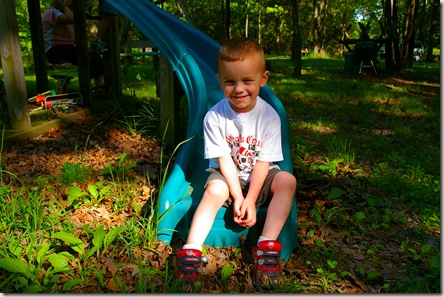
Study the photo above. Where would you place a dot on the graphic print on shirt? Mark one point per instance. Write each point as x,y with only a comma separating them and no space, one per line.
244,152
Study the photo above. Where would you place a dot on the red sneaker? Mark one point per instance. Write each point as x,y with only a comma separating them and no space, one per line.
188,267
266,257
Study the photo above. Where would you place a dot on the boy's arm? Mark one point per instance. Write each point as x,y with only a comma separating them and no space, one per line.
248,208
257,178
229,171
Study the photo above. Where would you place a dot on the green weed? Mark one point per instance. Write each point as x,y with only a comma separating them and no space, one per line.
343,150
74,173
96,193
121,170
329,167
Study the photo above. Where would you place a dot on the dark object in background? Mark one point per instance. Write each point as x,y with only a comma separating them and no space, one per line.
366,51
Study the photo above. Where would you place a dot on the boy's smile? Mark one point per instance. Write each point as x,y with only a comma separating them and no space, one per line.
241,82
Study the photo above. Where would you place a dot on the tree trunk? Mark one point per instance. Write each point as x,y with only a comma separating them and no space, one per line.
316,25
391,47
324,26
422,19
434,23
319,26
227,19
296,46
277,34
183,8
247,5
408,37
12,64
259,29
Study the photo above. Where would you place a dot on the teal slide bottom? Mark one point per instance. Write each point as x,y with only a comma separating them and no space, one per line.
193,57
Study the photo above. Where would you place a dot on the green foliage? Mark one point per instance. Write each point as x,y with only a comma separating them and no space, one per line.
74,173
329,167
121,171
343,150
144,122
96,193
226,272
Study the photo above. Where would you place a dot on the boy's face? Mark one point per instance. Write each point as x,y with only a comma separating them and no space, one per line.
241,82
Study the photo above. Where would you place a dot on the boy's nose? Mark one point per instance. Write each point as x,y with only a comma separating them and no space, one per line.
238,87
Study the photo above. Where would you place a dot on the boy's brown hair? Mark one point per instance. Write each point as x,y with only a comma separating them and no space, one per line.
239,49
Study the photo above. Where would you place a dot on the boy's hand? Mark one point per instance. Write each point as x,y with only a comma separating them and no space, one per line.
247,217
237,204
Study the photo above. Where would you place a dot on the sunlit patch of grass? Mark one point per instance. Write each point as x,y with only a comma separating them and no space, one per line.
318,126
343,149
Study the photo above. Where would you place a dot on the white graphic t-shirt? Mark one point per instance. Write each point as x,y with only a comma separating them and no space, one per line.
247,137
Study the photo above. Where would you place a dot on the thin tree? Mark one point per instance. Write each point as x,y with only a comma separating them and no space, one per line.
390,26
408,37
228,19
433,29
319,26
247,6
297,46
184,10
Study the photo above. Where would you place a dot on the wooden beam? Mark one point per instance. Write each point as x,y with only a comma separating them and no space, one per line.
38,46
112,58
12,65
168,89
82,51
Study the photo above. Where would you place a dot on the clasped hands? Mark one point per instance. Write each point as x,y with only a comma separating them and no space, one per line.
244,212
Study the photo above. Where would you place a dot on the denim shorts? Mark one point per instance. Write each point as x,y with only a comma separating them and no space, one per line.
105,6
264,195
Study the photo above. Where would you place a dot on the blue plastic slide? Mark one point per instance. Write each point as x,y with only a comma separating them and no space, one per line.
193,57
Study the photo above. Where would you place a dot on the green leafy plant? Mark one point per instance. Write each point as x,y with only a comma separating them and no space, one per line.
226,272
96,193
35,276
418,254
101,241
370,275
329,167
74,173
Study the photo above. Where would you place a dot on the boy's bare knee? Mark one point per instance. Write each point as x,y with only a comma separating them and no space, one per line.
217,188
284,181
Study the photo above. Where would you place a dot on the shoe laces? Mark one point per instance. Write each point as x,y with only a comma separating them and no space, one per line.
191,264
270,258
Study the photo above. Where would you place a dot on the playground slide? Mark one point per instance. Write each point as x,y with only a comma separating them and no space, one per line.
193,57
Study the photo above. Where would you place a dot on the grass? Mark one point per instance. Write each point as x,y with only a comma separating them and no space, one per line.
365,150
385,131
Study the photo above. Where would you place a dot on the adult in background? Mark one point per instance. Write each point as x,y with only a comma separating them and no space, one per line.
59,37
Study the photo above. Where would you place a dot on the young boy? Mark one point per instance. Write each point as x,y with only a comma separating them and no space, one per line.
242,136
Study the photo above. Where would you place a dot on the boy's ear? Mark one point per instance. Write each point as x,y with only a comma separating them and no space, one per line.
220,81
264,78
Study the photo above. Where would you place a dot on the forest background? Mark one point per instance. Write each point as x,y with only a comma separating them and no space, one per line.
315,26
